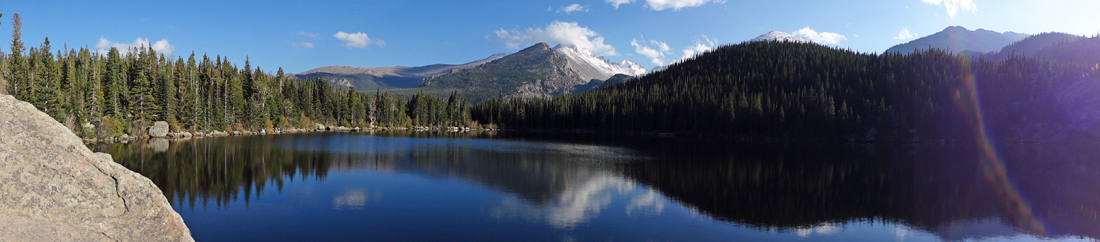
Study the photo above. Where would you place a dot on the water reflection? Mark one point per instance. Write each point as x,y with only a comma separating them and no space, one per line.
355,199
940,189
568,182
221,170
574,205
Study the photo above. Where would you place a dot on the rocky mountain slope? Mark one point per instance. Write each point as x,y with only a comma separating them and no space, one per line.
56,189
372,78
957,39
592,67
535,72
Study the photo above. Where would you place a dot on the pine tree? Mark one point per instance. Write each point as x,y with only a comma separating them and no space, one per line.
75,87
188,97
18,64
141,99
3,68
168,78
112,83
48,86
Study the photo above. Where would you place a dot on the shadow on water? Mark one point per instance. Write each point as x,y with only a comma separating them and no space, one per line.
942,189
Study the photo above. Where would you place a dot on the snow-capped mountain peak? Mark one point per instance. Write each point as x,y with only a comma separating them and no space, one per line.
631,68
780,36
590,66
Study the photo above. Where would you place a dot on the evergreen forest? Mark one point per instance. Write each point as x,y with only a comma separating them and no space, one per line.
801,91
120,92
749,91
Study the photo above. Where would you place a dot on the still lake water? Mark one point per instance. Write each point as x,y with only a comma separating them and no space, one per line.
455,187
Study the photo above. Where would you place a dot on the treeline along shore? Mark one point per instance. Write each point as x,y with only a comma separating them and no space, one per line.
771,90
121,92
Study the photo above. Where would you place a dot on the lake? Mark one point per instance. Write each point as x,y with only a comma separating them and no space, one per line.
399,186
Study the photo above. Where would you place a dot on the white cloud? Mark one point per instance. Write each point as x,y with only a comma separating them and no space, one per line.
573,8
658,52
565,33
953,6
654,50
677,4
700,46
306,34
161,46
302,44
616,3
358,40
905,34
820,37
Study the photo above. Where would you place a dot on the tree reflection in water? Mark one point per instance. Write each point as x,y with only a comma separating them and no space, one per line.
566,180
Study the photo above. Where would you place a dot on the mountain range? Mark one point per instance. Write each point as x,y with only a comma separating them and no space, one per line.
543,71
996,46
1056,46
395,77
957,39
537,71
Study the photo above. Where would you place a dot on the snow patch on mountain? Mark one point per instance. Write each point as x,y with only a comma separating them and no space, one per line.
589,66
631,68
781,36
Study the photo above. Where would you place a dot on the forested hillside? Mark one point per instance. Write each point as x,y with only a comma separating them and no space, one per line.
122,91
754,90
784,90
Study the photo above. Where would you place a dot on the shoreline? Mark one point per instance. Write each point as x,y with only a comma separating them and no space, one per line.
319,129
607,133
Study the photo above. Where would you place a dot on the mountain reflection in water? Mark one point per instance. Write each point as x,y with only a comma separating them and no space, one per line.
567,181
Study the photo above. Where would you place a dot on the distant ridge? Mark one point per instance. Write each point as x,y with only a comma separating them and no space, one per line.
1032,45
957,39
395,77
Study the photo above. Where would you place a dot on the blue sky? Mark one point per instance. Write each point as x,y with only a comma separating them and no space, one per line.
301,35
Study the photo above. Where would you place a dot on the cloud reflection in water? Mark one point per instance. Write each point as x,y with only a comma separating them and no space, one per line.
579,204
354,199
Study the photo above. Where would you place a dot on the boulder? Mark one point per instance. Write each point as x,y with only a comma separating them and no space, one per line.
159,129
56,189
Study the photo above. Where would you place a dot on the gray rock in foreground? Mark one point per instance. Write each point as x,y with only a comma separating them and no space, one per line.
159,129
55,189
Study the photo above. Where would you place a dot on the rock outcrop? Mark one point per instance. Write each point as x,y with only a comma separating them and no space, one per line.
56,189
159,129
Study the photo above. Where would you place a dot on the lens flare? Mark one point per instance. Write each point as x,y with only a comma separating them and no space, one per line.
967,100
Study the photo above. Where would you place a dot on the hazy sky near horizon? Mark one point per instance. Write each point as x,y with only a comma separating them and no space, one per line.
301,35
